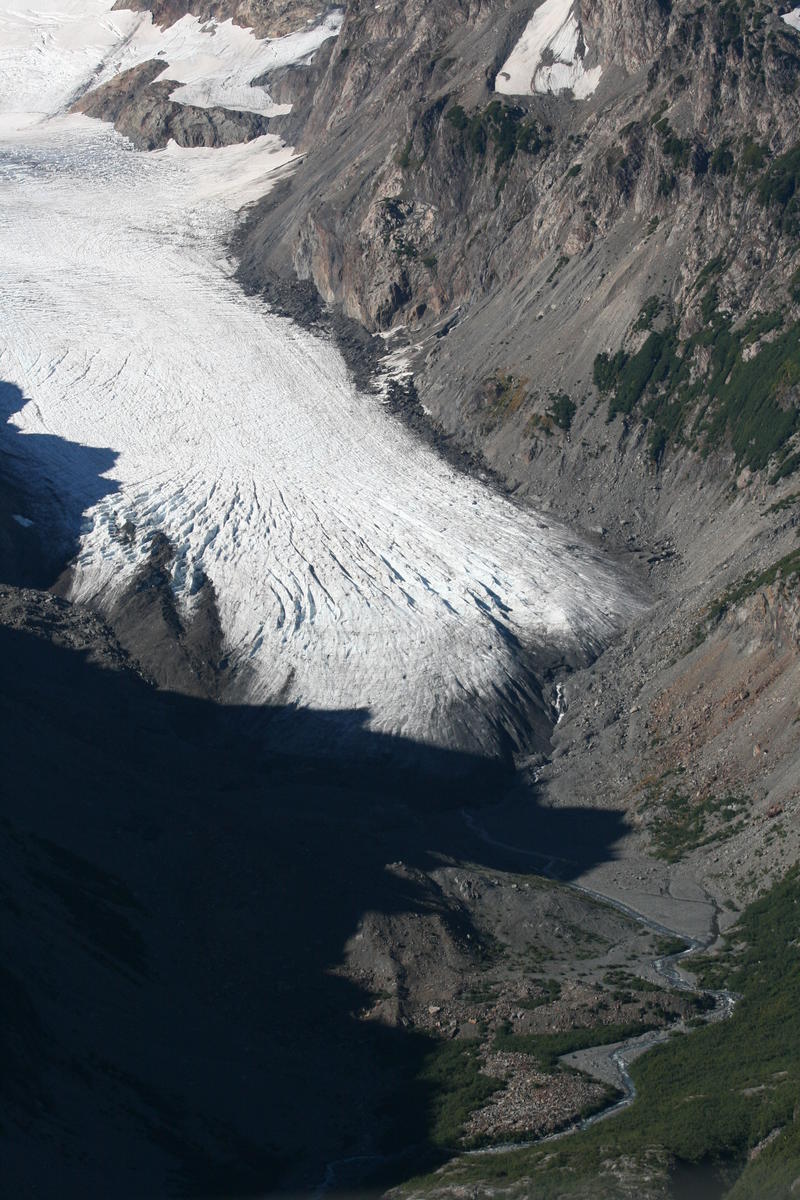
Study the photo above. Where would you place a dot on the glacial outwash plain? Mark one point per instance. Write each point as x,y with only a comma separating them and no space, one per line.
400,599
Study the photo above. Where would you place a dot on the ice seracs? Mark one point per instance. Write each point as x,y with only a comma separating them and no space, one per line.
352,568
549,57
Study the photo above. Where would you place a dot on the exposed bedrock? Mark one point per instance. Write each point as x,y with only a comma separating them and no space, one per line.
512,248
142,111
267,18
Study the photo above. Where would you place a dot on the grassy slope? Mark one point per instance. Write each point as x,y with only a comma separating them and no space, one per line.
713,1095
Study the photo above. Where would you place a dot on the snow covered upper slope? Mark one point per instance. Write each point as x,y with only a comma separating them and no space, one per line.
216,62
51,53
353,568
793,18
549,56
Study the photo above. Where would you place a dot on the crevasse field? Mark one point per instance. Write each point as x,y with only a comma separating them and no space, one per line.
352,567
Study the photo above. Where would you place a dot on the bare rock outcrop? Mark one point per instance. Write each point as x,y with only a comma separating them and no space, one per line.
267,18
141,109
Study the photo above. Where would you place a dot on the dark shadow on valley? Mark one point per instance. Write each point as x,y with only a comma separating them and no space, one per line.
176,892
50,482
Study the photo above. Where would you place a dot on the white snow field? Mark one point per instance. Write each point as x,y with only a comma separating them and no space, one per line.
83,43
549,56
353,568
793,18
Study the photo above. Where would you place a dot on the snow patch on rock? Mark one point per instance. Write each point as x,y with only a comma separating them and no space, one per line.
793,18
80,44
549,57
215,62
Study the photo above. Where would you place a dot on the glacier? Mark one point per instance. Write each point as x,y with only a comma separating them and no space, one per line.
353,568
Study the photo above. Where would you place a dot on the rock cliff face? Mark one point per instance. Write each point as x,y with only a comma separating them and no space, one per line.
142,110
267,18
531,230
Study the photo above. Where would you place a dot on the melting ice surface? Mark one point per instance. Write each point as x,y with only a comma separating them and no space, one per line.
549,56
352,567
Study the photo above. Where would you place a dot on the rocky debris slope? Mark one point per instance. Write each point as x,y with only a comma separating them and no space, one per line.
691,724
513,239
598,296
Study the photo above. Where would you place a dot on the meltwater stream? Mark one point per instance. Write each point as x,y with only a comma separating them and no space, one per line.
352,567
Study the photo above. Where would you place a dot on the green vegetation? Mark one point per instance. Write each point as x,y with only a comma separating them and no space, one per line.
547,1048
744,396
506,126
649,311
394,213
551,990
753,156
620,978
713,267
562,410
786,502
561,261
455,1086
667,182
404,248
683,823
669,945
504,395
751,583
674,147
704,1100
607,370
654,365
731,23
794,287
779,190
404,157
787,466
721,161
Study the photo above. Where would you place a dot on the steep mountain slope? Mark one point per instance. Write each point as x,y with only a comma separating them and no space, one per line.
595,284
540,225
574,229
